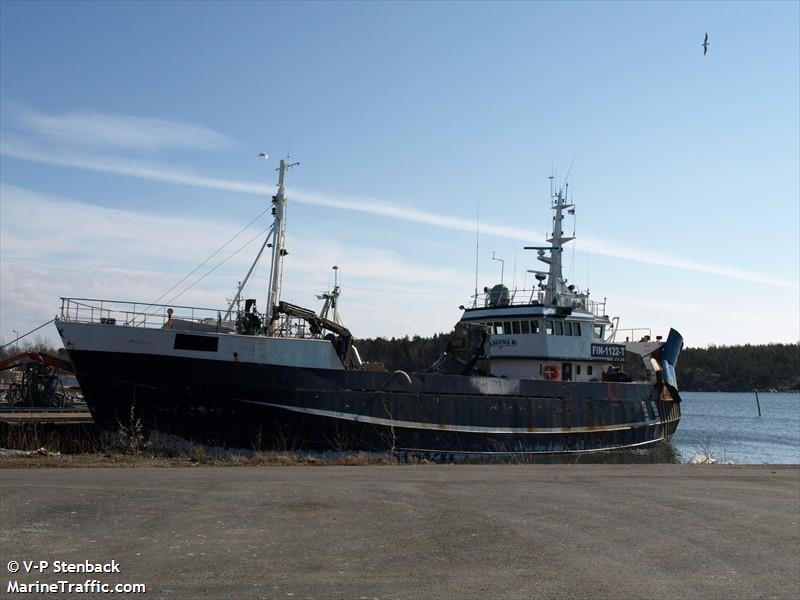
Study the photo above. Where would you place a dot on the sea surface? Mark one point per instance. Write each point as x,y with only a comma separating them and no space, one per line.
726,426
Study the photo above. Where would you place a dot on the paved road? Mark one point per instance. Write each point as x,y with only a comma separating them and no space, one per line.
438,531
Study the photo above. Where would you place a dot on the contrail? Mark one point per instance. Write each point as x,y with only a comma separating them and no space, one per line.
153,172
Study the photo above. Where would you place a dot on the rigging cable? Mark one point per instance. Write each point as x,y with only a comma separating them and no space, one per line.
281,248
252,279
219,264
220,249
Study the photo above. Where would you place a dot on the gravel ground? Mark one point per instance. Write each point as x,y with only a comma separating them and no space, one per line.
422,531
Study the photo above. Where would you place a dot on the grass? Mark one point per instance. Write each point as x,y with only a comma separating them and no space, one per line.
47,445
198,457
43,445
184,454
81,438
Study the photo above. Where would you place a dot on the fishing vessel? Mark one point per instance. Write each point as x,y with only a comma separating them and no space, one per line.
536,371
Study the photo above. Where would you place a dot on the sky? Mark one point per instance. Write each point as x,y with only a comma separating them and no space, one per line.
129,135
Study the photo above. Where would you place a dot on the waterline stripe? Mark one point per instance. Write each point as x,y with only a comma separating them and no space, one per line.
507,452
455,428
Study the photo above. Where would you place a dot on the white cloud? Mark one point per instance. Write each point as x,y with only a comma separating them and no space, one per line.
16,148
107,130
37,225
53,247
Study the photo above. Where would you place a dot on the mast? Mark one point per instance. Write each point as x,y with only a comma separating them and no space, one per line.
555,279
556,287
331,298
278,245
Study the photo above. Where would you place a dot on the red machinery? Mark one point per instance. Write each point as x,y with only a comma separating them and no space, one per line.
41,383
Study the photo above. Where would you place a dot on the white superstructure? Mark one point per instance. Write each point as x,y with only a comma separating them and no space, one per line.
554,331
281,335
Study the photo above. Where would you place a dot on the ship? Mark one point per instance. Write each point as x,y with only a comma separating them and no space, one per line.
537,371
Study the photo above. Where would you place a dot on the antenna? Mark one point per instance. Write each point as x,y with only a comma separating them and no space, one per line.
335,302
552,194
477,245
569,169
514,276
502,266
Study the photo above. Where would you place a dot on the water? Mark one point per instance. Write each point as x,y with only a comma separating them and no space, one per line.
727,426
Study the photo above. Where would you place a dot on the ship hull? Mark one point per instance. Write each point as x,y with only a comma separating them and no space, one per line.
261,406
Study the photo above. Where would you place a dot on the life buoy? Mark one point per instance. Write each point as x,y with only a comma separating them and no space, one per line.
551,372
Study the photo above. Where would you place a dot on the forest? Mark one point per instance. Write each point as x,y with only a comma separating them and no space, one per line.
713,369
740,368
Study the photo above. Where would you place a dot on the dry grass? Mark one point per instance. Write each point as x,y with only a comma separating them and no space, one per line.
199,457
65,438
96,459
40,445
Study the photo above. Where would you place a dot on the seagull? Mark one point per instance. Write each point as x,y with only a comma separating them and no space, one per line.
705,45
263,155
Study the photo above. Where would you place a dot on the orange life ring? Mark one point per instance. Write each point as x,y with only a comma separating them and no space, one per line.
551,372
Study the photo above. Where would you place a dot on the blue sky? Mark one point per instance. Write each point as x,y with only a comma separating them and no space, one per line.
129,133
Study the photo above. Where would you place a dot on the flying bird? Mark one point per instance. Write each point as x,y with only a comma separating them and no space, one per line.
263,155
705,45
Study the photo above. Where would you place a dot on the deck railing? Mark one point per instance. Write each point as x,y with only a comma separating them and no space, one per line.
516,297
634,334
138,314
134,314
523,297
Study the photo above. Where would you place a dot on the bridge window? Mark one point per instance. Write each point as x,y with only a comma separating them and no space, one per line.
526,327
507,327
576,329
534,326
498,328
577,369
515,326
567,328
559,328
549,327
598,331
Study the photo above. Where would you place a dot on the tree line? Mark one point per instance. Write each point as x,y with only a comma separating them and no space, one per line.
740,368
716,368
713,369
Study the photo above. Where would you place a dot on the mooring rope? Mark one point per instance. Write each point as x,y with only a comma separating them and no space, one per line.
26,334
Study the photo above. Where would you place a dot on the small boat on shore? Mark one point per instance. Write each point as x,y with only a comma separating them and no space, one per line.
525,371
